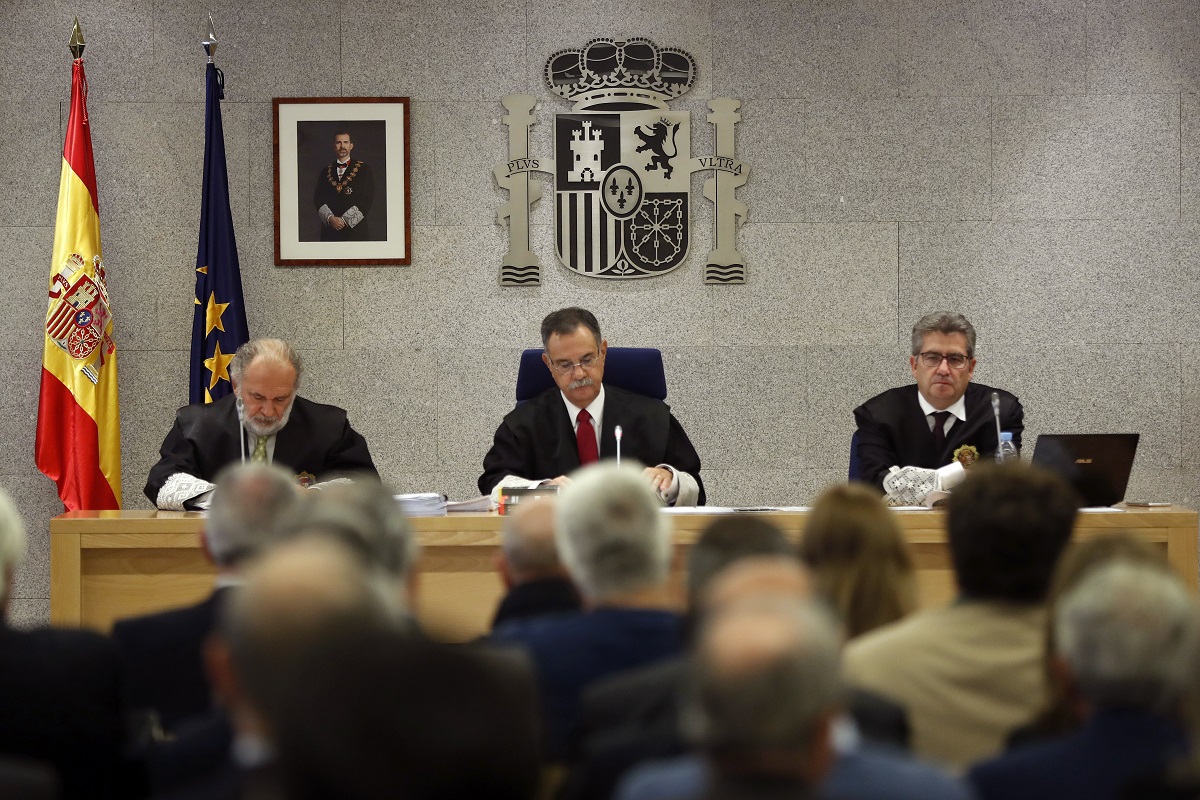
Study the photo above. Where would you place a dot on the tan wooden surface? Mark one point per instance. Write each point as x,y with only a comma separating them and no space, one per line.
106,565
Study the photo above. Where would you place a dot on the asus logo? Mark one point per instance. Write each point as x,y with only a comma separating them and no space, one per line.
1083,461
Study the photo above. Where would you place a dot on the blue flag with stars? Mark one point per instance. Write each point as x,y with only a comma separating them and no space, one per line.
219,324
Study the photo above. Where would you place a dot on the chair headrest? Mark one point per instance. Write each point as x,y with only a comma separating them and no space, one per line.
635,369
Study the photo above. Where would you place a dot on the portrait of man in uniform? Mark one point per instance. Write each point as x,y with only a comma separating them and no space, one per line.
345,163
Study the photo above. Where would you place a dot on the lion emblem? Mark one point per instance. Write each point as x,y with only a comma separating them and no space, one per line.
656,141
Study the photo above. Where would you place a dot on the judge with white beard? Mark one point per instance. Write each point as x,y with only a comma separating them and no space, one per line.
264,420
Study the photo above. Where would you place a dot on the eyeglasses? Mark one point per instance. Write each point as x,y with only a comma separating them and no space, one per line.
931,359
585,363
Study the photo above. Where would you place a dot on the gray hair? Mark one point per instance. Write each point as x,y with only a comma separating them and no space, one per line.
765,673
363,514
527,538
611,532
276,350
248,503
946,322
12,541
1129,633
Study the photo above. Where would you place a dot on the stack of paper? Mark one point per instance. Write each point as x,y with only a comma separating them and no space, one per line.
422,504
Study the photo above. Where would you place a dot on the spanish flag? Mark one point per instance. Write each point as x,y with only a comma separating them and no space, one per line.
79,428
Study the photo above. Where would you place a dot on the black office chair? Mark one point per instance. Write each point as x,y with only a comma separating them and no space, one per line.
635,369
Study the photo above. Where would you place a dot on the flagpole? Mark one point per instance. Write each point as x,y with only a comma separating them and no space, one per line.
78,441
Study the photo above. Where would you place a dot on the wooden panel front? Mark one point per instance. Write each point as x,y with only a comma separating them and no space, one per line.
110,564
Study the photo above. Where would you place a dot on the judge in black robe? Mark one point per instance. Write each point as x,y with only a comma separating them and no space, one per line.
536,440
316,442
894,431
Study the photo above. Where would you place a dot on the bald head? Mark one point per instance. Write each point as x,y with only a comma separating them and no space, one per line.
293,597
779,577
527,542
765,685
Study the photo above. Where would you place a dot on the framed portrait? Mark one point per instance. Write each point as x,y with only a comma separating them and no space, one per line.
341,181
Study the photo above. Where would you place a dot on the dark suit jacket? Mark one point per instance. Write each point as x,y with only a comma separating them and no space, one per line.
634,716
317,439
536,440
62,705
893,431
164,662
1095,762
536,599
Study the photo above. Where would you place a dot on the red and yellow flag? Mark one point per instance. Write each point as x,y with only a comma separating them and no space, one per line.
79,425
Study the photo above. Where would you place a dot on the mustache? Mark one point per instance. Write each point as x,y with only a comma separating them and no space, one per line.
580,383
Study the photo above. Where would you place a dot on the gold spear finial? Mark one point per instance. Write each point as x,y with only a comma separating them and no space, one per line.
77,40
210,39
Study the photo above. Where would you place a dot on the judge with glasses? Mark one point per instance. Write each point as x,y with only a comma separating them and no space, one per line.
919,438
574,424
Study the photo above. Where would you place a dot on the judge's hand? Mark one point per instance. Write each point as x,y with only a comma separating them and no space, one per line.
561,480
660,479
337,223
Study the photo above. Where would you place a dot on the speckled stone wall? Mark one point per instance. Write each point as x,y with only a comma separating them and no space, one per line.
1035,165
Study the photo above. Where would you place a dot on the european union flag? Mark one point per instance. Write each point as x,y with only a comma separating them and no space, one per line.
219,325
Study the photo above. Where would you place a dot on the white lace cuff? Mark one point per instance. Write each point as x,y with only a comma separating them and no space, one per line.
180,488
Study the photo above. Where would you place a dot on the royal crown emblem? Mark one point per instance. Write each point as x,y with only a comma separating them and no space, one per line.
622,168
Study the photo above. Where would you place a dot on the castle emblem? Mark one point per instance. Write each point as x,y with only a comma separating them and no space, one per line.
622,168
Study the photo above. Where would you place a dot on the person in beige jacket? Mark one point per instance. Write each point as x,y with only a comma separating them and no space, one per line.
970,672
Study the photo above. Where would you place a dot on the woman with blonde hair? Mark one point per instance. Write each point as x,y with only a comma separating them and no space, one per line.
859,559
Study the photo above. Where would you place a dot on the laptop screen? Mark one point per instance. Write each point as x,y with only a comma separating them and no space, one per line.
1096,464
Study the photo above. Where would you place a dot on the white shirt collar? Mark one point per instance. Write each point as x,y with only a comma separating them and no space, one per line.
595,408
959,409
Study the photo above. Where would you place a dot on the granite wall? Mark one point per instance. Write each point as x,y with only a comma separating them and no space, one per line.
1035,165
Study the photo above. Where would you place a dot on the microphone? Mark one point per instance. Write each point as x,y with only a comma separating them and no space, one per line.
241,412
996,416
617,433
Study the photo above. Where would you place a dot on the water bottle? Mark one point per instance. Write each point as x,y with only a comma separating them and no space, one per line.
1007,451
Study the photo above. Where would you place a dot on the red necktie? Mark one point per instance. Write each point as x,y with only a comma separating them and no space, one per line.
585,438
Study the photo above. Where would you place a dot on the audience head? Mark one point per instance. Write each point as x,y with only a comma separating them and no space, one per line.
295,596
765,687
528,551
726,541
12,546
859,559
759,577
1007,527
1129,635
378,714
248,502
364,515
612,534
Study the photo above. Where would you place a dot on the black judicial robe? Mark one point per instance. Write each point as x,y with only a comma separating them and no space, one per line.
317,439
536,440
894,431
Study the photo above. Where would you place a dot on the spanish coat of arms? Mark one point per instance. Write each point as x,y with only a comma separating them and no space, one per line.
622,167
78,320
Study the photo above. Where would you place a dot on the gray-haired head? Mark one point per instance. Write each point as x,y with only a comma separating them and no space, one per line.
612,535
945,322
364,515
765,676
276,350
527,540
247,505
12,544
1130,634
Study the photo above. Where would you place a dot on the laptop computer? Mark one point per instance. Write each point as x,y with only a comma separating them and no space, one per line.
1096,464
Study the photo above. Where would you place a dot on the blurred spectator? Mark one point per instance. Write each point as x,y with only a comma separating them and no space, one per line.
861,563
535,580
